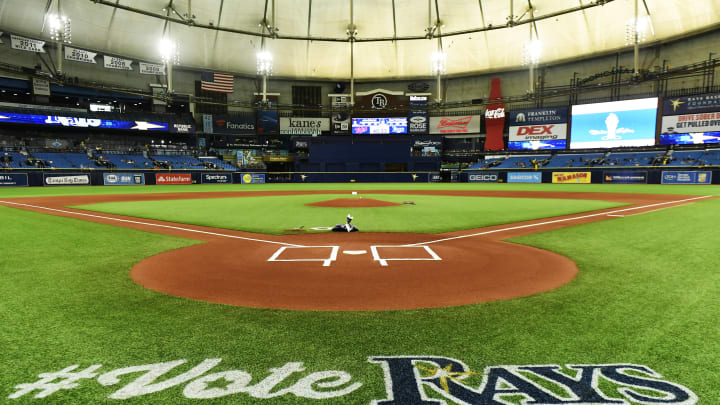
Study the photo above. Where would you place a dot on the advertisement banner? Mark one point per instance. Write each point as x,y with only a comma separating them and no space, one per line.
697,177
66,179
233,124
253,178
113,62
691,104
167,178
629,177
418,119
13,179
267,123
533,177
364,126
542,132
484,177
495,118
207,120
26,44
77,122
304,126
41,87
614,124
539,116
682,124
181,128
79,55
123,179
455,125
340,119
538,145
216,178
152,69
571,177
690,139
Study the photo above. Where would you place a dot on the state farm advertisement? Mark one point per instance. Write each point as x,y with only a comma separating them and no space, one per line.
167,178
549,132
455,125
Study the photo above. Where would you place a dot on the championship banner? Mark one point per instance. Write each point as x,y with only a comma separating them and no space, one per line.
41,87
495,119
26,44
166,178
571,177
13,179
152,69
66,180
80,55
113,62
682,124
672,177
691,104
455,125
207,123
418,119
304,126
629,177
123,179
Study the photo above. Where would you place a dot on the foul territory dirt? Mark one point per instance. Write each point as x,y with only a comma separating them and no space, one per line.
300,271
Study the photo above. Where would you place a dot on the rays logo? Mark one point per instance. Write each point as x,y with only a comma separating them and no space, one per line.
410,379
379,101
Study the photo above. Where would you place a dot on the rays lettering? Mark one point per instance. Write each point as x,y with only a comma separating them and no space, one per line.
408,380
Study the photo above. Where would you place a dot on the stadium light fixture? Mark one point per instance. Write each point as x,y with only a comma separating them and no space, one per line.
531,52
438,62
60,28
635,26
264,63
168,51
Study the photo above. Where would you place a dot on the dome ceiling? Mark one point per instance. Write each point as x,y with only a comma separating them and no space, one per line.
312,39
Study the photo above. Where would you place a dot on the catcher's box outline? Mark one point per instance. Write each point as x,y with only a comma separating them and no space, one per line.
326,261
383,261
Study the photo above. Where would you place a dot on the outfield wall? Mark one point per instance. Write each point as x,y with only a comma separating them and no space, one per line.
602,175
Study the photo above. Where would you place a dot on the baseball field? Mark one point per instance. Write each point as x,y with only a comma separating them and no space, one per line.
449,294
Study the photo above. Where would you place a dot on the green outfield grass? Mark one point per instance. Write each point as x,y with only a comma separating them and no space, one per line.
273,215
591,188
647,293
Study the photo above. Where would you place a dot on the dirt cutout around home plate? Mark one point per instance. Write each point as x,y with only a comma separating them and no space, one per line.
352,271
358,202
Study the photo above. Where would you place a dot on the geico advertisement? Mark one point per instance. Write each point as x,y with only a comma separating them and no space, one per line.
571,177
538,132
483,178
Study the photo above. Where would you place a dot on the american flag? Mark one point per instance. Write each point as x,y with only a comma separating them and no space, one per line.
217,82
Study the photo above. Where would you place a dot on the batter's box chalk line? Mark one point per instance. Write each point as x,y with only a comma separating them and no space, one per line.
326,260
384,260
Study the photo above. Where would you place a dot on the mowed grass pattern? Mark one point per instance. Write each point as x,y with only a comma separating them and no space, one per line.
273,215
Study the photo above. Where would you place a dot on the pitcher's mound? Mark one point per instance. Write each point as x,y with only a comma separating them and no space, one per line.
353,203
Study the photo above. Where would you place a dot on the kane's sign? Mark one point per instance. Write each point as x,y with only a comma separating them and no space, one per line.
408,380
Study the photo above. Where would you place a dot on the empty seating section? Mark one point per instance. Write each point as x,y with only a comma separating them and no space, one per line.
128,161
521,162
219,163
13,160
581,160
65,160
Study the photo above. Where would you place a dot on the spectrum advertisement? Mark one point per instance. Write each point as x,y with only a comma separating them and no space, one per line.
78,122
614,124
380,125
534,177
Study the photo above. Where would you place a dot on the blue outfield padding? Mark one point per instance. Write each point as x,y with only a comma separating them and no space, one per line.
686,177
534,177
13,180
123,179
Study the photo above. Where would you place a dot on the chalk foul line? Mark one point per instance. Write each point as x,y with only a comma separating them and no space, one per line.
150,224
608,213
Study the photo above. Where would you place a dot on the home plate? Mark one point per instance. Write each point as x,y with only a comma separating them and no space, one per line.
354,252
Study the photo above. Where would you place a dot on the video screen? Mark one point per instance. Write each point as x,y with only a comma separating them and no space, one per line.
690,139
538,145
614,124
379,126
